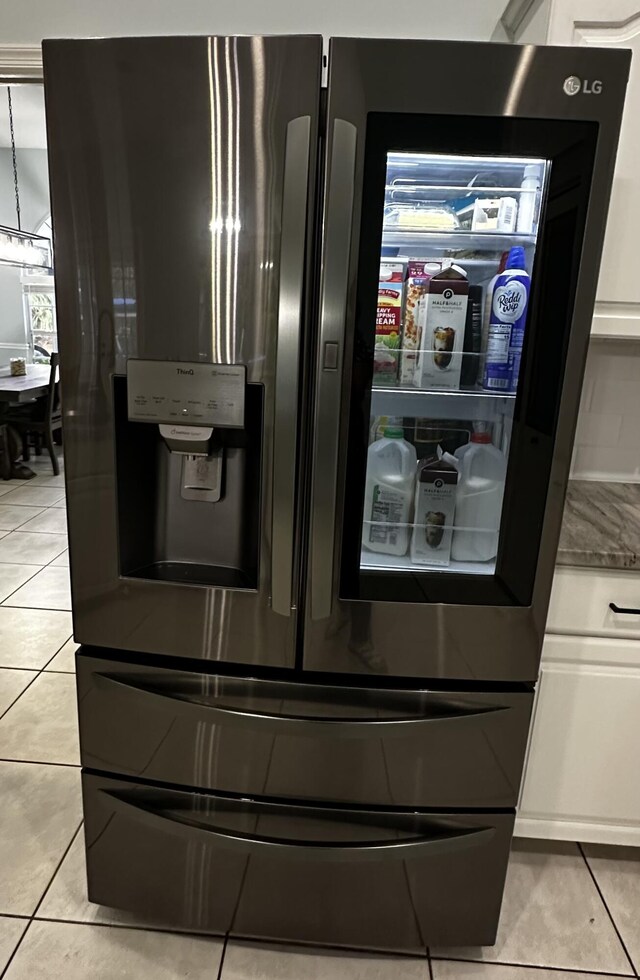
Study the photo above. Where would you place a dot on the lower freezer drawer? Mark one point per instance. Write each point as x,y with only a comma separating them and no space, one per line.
302,740
376,879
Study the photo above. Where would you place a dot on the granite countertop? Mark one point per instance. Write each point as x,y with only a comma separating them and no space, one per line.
601,525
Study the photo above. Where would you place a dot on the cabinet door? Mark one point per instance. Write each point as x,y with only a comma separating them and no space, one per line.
580,781
593,23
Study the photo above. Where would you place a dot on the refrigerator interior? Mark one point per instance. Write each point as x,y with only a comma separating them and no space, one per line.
448,227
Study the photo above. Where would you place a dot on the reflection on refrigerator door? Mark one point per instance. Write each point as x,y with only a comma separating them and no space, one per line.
458,244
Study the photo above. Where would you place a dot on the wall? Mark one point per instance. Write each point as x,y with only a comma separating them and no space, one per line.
608,438
28,21
34,202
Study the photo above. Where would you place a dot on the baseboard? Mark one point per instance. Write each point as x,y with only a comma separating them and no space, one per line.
577,830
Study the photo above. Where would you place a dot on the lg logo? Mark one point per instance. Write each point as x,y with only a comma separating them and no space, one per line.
572,85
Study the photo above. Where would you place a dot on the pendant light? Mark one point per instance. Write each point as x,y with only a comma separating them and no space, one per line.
18,247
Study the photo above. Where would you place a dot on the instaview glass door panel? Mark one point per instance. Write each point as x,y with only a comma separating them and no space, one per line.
449,334
182,174
474,246
466,315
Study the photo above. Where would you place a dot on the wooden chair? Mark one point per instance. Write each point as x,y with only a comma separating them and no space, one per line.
41,418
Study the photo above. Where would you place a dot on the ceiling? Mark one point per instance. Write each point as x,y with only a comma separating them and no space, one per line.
28,116
28,21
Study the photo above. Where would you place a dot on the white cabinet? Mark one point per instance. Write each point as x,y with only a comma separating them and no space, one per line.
581,597
582,774
582,779
615,23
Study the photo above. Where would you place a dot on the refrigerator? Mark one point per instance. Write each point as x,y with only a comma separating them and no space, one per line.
316,452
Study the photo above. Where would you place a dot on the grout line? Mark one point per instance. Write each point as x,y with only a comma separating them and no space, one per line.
604,902
42,762
57,868
581,971
224,953
26,581
429,964
18,945
13,915
131,926
3,605
37,674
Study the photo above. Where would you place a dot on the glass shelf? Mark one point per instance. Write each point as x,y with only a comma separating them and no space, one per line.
370,560
496,241
470,405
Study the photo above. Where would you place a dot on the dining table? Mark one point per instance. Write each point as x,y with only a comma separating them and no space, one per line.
24,388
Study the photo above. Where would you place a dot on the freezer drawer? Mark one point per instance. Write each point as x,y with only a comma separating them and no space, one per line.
306,741
379,879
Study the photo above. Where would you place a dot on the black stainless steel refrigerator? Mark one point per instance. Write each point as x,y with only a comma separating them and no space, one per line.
305,687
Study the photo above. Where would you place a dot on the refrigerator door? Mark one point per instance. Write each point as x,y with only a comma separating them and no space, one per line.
183,184
446,392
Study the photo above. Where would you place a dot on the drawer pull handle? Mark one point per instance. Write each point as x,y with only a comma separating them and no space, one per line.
438,839
623,609
188,701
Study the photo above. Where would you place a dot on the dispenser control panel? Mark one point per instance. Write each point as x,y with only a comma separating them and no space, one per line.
186,393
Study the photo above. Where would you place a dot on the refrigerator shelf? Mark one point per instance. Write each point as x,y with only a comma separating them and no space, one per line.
498,241
419,402
373,561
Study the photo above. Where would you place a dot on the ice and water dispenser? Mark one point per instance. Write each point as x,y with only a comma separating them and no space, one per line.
188,447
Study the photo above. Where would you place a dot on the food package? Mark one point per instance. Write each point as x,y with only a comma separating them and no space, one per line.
419,272
389,321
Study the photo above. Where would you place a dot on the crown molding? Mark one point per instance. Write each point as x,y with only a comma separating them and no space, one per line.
20,62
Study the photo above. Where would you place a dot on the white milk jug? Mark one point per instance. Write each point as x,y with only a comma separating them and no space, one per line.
391,473
483,470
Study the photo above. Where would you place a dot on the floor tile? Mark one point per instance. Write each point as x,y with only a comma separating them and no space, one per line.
49,589
48,481
61,504
29,548
13,576
41,811
52,520
552,914
16,516
456,970
77,952
34,496
13,683
66,899
65,661
5,487
30,637
10,932
62,561
42,725
252,961
617,871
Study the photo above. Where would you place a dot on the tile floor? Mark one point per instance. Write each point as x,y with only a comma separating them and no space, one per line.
569,913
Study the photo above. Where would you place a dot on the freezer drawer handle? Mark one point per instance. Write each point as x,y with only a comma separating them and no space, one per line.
624,609
333,311
442,709
290,310
187,823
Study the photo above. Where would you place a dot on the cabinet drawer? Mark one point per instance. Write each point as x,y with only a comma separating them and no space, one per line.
383,879
583,760
580,602
247,736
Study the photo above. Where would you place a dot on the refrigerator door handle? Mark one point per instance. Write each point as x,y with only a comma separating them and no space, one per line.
333,306
192,823
190,701
290,311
